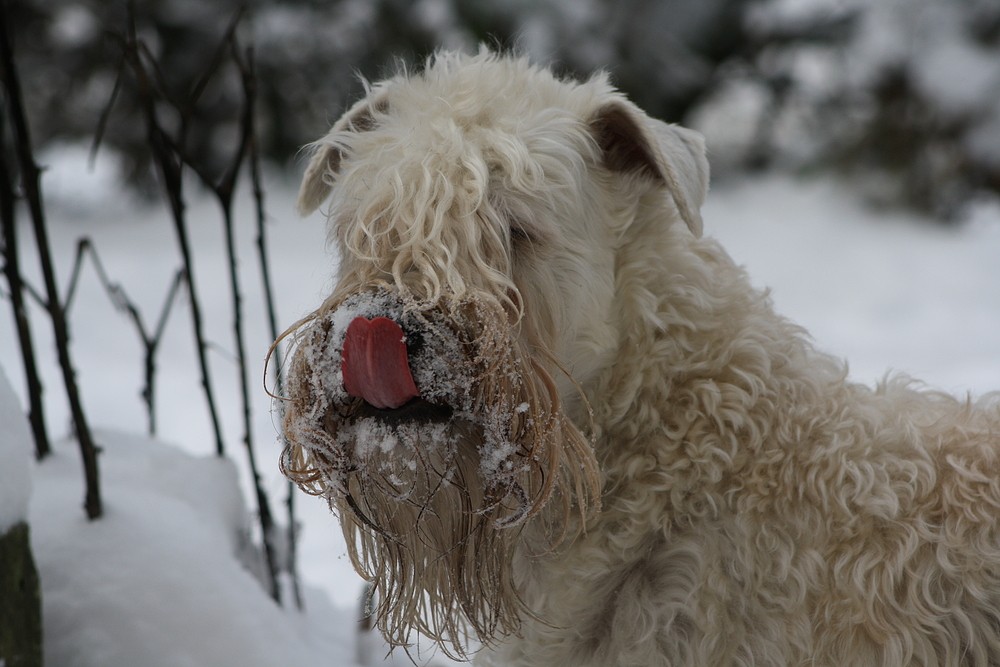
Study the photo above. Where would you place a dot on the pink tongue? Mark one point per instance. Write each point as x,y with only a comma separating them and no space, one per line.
374,363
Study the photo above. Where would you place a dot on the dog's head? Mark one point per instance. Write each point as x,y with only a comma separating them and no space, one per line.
437,398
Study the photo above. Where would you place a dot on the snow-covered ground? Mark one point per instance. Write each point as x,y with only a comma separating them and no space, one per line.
158,581
15,459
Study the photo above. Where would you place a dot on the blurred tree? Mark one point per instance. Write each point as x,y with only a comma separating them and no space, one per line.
310,55
908,90
901,95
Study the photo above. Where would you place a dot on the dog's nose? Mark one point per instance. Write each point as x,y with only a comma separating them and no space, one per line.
375,363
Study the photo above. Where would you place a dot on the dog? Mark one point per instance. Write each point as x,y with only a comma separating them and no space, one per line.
559,426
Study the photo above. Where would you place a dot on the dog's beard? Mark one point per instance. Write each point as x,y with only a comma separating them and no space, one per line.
434,500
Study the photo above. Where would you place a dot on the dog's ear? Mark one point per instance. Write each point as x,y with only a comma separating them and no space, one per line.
327,153
675,156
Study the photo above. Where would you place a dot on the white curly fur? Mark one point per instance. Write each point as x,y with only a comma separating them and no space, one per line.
757,507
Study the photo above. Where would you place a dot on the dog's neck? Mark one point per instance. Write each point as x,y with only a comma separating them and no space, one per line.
668,316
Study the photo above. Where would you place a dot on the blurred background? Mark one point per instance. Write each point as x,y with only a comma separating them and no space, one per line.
902,94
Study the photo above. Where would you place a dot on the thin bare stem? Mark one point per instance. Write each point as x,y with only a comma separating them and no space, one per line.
31,185
12,272
166,156
224,190
246,67
121,301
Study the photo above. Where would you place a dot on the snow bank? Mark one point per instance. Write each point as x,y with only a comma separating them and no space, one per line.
157,581
15,458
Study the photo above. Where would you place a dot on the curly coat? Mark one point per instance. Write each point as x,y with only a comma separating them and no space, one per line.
756,507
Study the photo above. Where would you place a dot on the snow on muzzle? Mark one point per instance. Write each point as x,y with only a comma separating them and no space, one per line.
374,355
392,399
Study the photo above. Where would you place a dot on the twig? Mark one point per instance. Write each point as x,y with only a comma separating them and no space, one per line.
224,191
171,156
102,122
32,193
169,164
246,68
12,271
215,63
121,301
152,345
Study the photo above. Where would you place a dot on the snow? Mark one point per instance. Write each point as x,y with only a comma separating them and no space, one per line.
932,38
158,580
885,290
165,577
832,77
16,446
962,77
731,117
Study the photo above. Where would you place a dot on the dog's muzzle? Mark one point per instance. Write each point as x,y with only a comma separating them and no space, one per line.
375,365
379,359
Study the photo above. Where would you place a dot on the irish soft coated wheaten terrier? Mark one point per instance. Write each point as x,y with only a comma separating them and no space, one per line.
558,424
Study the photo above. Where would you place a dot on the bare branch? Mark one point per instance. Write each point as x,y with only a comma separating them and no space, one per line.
121,301
166,156
246,69
15,282
32,191
102,123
